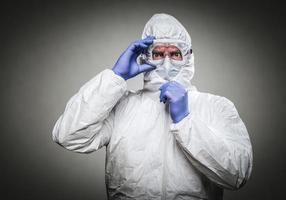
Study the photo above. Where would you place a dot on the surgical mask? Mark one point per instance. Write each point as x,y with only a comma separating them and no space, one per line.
167,68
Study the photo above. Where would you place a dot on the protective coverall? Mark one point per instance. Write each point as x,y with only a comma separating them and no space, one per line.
148,156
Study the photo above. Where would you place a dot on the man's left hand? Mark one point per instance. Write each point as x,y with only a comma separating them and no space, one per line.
177,97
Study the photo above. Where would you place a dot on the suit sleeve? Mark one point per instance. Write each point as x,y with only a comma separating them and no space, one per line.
86,123
217,144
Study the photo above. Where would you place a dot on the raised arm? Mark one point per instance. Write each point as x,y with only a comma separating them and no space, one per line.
86,124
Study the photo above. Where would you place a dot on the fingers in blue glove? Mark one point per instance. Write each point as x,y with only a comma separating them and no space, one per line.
144,44
127,66
177,96
164,86
149,38
171,87
146,68
139,45
165,96
172,84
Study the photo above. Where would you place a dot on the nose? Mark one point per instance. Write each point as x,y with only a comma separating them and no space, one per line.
166,60
166,54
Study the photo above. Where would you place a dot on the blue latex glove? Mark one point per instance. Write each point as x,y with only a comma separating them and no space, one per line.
177,97
126,66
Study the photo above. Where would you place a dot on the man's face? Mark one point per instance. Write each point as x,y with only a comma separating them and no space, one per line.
161,51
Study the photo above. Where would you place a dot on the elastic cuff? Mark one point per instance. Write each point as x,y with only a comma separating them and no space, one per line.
174,127
118,79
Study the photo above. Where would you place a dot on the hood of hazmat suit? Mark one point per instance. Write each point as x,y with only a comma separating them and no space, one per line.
147,155
168,29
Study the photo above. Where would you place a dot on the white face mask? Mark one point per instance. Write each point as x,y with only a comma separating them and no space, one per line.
167,68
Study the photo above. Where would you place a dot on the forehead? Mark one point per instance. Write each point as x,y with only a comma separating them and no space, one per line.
165,47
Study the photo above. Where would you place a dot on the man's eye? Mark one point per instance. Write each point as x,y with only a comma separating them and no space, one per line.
156,55
176,54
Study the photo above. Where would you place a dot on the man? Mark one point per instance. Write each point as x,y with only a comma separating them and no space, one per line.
166,141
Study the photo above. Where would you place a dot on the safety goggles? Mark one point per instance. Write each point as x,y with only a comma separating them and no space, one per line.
184,48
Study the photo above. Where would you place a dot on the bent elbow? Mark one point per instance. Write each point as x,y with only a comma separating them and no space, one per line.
61,134
66,142
242,174
57,133
231,181
59,138
240,182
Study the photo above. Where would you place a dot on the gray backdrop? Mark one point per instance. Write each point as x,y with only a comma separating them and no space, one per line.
50,49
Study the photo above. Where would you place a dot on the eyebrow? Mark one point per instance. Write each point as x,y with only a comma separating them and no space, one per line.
156,51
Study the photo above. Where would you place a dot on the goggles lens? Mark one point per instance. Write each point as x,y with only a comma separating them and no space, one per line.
177,51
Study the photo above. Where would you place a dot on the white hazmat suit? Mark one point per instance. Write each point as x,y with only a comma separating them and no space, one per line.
147,155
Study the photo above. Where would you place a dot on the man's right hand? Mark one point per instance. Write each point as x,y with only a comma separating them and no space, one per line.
126,66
